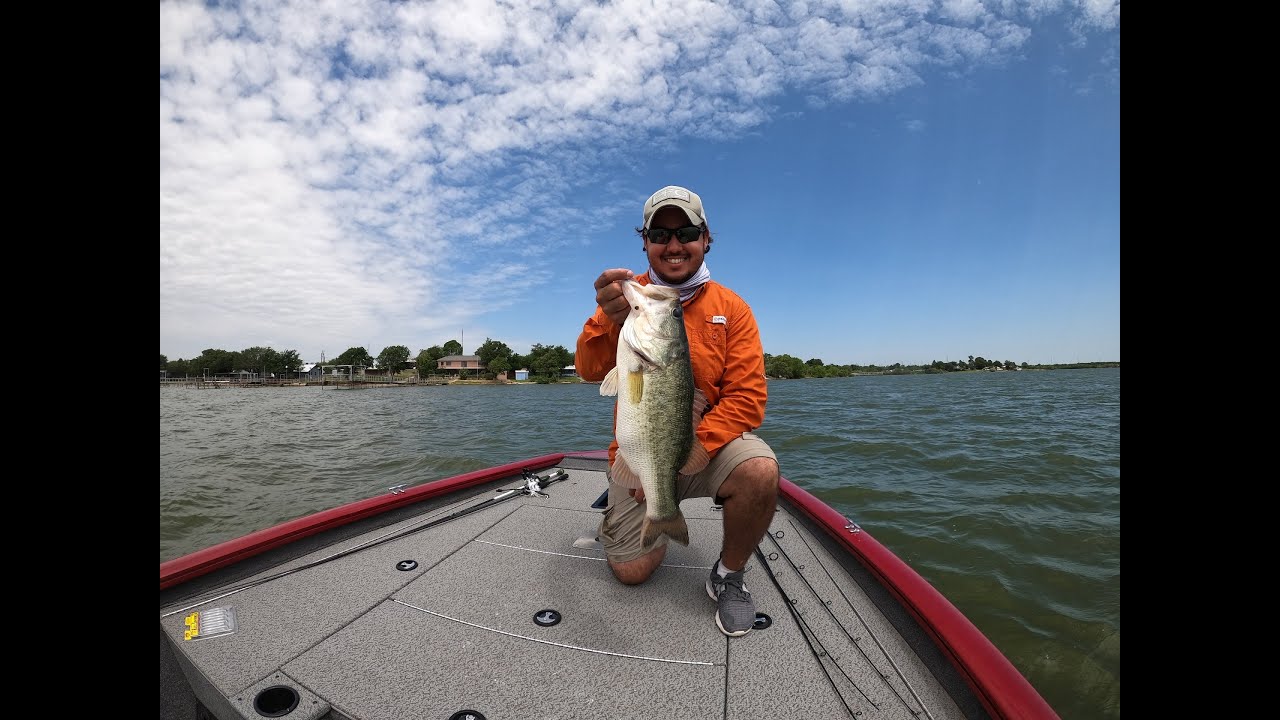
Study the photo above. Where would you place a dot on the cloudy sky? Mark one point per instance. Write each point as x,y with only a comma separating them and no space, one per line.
886,181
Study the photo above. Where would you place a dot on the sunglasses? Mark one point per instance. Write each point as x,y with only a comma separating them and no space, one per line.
685,235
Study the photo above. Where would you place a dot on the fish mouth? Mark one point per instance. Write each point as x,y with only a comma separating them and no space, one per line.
631,291
636,293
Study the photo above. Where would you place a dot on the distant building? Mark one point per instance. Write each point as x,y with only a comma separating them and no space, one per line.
522,374
340,372
569,371
454,364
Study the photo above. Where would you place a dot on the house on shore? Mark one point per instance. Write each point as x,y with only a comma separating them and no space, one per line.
456,364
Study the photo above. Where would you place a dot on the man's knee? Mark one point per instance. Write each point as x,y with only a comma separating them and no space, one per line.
634,572
753,476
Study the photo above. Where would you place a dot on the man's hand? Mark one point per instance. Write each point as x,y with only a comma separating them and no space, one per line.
609,294
637,493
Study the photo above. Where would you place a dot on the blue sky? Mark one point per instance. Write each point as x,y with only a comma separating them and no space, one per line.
886,182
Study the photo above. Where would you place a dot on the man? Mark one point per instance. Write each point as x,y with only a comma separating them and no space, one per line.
728,367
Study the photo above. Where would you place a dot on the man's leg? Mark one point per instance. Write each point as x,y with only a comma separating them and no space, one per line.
750,495
743,478
620,535
634,572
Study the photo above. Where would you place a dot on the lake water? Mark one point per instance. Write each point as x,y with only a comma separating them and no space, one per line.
1000,489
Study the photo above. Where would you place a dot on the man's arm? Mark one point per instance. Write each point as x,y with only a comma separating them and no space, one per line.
743,390
597,350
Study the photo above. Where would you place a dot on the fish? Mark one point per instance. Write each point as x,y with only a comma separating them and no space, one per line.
658,408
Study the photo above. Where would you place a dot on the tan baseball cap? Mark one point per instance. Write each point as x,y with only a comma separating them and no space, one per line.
686,200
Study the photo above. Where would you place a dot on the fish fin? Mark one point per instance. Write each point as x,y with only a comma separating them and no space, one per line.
697,460
698,457
699,409
610,384
628,335
700,406
622,473
636,381
673,527
643,356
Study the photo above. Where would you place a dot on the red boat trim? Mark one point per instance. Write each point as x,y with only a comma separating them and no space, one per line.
201,562
997,683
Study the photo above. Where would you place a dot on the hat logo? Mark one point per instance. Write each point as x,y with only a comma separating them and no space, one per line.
670,193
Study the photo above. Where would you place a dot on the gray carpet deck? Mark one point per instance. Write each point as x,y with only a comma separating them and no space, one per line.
362,637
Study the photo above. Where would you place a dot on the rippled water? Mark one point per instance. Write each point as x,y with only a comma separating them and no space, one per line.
1000,489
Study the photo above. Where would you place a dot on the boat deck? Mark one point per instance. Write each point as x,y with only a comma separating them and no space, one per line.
446,619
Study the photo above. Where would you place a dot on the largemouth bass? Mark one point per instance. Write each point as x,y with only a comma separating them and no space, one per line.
658,408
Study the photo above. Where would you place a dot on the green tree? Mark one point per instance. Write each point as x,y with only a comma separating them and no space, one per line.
217,362
453,347
291,362
546,362
258,359
354,356
178,368
164,362
499,365
392,358
272,363
492,351
784,366
426,360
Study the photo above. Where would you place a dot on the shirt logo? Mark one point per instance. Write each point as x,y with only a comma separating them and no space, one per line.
719,320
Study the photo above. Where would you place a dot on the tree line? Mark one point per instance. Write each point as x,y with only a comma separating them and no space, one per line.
786,366
544,362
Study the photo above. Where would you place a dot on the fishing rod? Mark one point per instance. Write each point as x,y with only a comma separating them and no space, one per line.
858,615
826,605
806,632
533,485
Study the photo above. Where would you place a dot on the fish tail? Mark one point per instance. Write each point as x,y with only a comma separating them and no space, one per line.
673,527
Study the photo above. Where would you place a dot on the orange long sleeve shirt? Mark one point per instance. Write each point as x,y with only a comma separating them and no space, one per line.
724,349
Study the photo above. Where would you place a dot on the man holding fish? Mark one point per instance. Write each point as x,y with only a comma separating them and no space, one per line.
683,355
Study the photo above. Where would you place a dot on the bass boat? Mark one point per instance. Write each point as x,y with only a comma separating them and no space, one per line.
486,596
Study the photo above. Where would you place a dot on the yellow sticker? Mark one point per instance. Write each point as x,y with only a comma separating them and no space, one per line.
192,622
212,623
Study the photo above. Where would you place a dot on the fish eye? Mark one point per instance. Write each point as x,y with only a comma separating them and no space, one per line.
677,312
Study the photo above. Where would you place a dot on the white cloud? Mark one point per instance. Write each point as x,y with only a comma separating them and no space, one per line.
328,168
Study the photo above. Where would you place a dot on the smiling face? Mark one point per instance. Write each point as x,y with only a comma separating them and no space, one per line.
674,262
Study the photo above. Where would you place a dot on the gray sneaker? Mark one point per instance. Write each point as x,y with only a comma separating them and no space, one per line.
735,611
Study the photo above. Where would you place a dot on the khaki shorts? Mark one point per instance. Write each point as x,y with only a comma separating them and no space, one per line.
620,527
